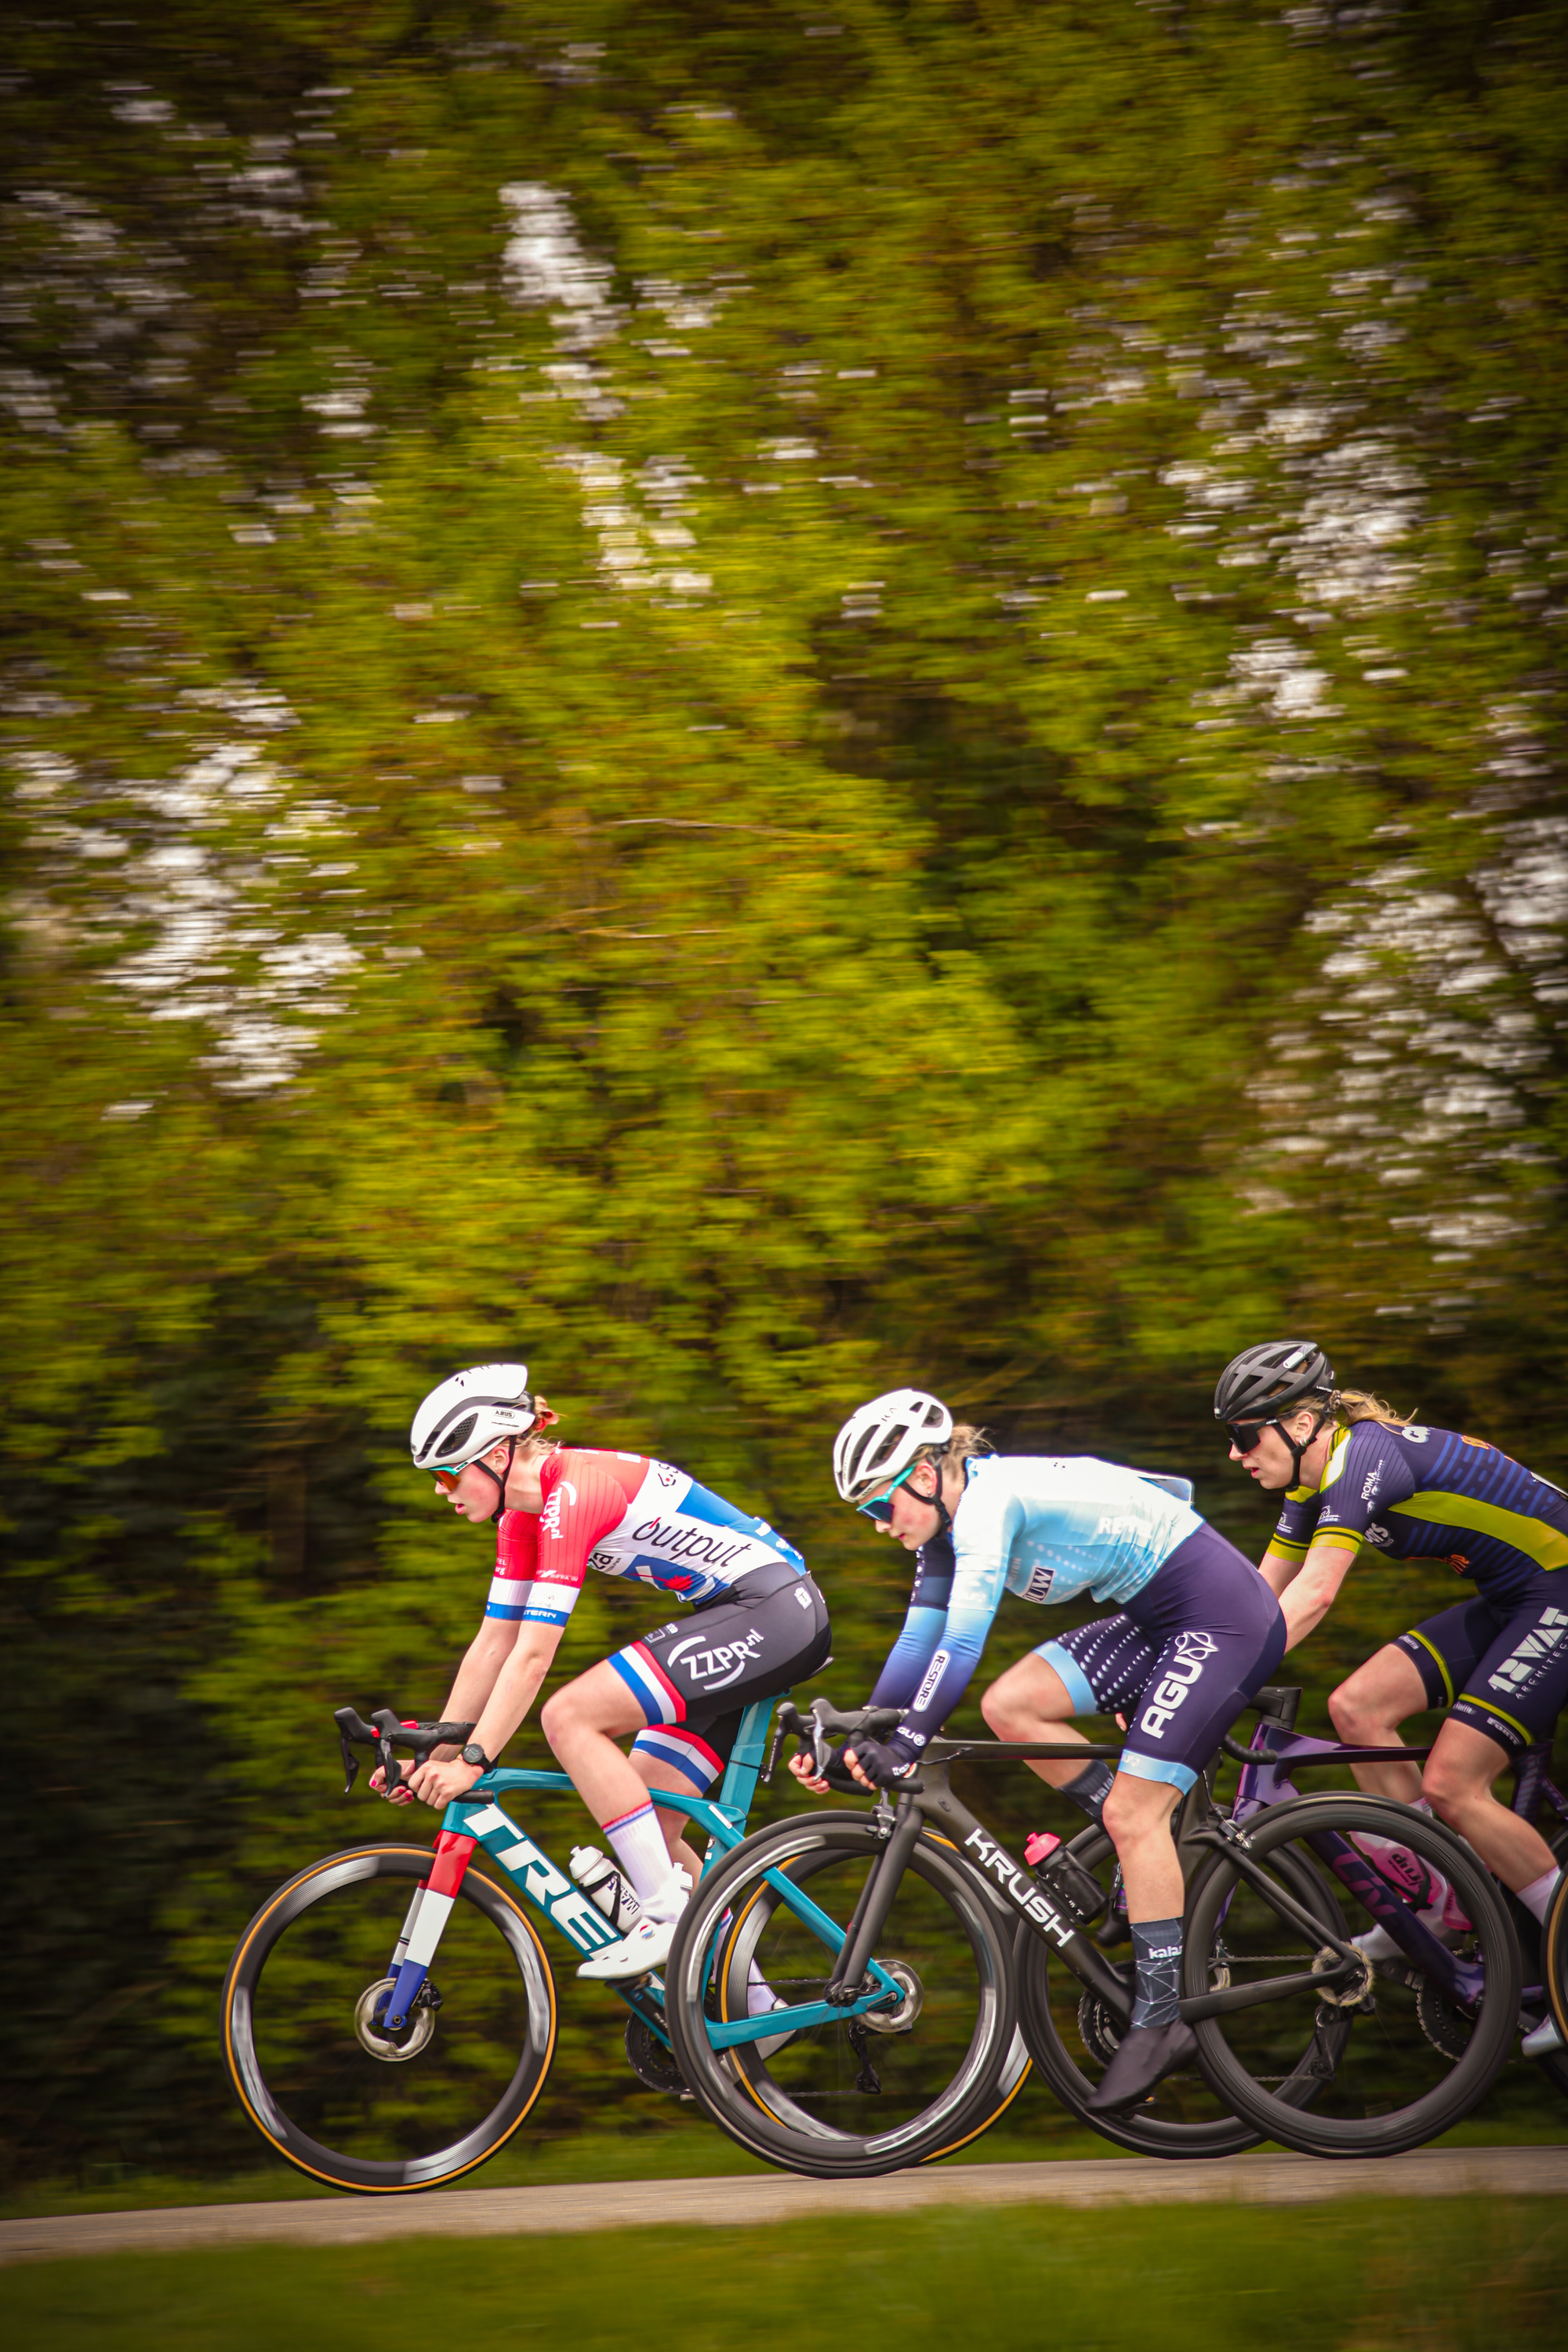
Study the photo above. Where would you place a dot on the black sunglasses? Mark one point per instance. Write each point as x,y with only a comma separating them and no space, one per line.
1246,1434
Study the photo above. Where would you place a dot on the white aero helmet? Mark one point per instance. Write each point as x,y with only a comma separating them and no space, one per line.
472,1412
883,1437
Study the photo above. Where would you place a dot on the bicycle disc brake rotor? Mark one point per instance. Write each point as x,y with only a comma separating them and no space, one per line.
382,2046
1357,1994
898,2020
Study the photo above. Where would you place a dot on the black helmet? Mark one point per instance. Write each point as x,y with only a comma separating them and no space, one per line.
1263,1382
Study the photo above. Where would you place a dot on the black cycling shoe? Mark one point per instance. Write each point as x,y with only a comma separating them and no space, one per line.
1144,2056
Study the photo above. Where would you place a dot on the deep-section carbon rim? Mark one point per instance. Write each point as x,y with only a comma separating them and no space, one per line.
804,2108
1383,2087
291,2051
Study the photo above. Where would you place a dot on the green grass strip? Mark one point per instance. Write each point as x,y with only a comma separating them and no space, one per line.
1445,2275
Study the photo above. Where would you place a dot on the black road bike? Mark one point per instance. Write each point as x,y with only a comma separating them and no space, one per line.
1301,2038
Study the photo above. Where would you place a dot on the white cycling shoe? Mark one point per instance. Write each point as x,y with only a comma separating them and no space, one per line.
1543,2041
645,1946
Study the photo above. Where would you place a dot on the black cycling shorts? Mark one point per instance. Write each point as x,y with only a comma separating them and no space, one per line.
694,1679
1502,1670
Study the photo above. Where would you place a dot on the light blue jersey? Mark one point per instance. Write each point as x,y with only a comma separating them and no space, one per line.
1048,1527
1053,1527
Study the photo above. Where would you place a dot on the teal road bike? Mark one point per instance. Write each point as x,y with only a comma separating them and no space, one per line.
390,2014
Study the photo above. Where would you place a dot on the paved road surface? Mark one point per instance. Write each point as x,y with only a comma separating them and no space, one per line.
759,2200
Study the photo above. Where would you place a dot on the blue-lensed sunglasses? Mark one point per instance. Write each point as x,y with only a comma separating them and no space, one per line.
880,1507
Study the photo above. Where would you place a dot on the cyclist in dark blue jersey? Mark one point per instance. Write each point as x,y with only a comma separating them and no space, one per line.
1352,1473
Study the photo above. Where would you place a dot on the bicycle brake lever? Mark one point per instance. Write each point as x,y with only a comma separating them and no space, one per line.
350,1762
775,1745
390,1767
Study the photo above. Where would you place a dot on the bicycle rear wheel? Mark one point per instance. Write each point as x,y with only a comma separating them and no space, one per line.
854,2097
1333,2066
1071,2038
344,2101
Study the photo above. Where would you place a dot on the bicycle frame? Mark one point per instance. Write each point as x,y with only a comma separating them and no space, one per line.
1277,1749
857,1981
480,1819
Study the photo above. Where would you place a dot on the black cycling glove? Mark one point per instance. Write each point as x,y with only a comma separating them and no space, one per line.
885,1761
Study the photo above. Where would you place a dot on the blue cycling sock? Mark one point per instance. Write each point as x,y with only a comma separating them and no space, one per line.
1089,1788
1157,1951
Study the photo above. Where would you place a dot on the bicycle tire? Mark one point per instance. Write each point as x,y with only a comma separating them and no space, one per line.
301,2049
1169,2125
951,2079
1361,2104
1555,1967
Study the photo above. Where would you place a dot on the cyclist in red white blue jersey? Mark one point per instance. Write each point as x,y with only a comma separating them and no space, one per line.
1195,1633
1353,1473
758,1625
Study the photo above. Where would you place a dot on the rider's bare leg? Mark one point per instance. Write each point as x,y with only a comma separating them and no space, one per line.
1458,1778
1367,1710
1031,1701
583,1720
1138,1823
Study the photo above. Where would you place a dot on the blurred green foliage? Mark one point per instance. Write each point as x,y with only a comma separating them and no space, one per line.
716,700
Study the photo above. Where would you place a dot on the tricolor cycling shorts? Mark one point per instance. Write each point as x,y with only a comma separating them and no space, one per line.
1180,1662
694,1679
1502,1669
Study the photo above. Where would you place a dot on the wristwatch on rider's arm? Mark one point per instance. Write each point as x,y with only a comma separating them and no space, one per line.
474,1754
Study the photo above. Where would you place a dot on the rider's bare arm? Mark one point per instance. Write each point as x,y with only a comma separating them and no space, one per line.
1281,1565
516,1686
1309,1595
483,1662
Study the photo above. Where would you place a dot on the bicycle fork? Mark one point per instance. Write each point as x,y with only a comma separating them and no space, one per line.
423,1922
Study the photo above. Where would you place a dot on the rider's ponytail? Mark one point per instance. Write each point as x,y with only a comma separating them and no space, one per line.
966,1442
1351,1405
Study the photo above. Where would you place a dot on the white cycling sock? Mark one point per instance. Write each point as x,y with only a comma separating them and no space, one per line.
1538,1894
640,1849
759,1994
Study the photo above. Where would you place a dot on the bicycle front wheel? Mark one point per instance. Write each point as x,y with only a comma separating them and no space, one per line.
341,2099
1335,2063
855,2096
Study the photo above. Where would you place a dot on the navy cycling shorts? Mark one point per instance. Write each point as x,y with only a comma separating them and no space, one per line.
1502,1669
1180,1662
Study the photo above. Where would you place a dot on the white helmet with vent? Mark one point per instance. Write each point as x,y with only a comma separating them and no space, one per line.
883,1438
472,1412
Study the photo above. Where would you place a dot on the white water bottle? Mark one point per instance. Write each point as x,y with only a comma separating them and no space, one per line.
602,1883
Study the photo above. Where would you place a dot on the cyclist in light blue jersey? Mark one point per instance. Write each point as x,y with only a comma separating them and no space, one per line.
1196,1633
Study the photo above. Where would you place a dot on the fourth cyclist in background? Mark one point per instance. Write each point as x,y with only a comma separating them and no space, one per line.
1354,1473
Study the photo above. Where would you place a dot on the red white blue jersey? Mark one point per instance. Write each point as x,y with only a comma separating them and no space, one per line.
625,1516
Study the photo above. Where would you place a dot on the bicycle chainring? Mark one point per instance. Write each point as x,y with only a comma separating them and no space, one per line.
1445,2028
651,2062
1098,2029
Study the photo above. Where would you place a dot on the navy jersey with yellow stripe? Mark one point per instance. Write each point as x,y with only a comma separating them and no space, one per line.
1430,1493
